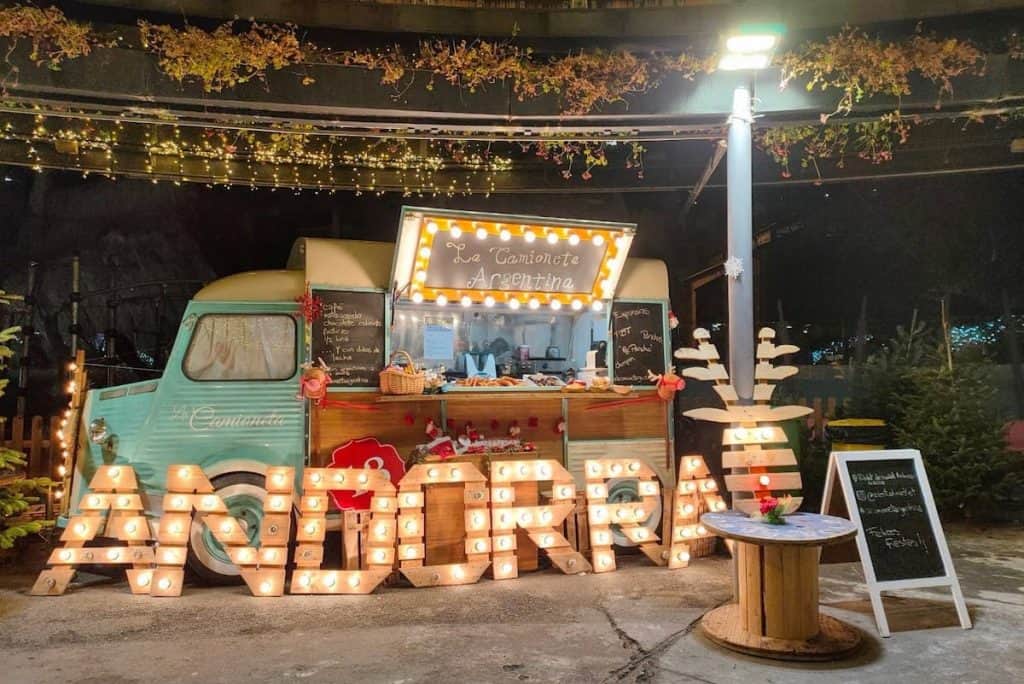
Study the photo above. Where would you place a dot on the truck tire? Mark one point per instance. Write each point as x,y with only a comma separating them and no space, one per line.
625,490
243,494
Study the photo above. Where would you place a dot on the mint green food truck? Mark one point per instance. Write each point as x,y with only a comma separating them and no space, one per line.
229,399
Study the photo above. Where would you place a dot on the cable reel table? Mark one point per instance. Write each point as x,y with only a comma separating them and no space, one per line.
776,611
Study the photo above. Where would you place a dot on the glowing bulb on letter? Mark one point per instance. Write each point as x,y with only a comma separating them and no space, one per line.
764,480
114,473
265,587
431,227
481,233
505,235
534,303
556,304
576,305
597,305
466,301
164,584
455,231
144,578
417,297
574,239
441,300
81,529
552,237
316,478
458,573
432,472
305,580
513,304
598,240
353,581
529,236
182,472
425,252
488,301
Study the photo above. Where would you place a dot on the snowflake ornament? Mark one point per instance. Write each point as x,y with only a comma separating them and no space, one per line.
733,267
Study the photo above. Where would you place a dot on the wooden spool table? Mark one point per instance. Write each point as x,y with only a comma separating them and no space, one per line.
776,614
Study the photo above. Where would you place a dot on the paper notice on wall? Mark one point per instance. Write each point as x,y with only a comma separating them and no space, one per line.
438,342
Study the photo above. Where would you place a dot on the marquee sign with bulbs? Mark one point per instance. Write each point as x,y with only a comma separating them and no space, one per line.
113,508
472,259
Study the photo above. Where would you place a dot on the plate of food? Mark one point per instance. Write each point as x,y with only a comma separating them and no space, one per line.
544,381
478,383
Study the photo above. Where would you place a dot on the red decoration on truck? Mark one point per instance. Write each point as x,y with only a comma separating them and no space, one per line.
364,453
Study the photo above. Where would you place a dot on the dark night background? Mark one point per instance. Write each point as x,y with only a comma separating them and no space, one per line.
901,243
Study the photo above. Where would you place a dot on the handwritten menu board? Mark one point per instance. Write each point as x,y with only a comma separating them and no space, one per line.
638,341
349,336
513,265
894,518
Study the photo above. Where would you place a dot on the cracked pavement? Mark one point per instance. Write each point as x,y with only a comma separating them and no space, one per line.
638,624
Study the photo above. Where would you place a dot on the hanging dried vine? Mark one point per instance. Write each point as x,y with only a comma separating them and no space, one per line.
861,66
874,141
222,58
54,37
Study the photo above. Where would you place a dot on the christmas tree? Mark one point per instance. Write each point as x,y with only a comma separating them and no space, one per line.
17,493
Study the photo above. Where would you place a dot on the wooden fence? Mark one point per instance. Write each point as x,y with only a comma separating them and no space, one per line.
36,437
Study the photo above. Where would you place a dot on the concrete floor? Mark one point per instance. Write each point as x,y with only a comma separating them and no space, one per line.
638,624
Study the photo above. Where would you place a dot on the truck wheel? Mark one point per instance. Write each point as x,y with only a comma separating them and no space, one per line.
625,490
243,494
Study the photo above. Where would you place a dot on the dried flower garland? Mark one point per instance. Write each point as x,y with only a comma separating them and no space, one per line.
861,66
53,36
222,58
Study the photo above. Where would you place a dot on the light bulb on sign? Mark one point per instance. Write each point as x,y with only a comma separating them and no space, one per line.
513,304
420,276
565,492
506,568
764,480
311,528
598,239
305,580
634,466
330,580
576,305
740,433
417,297
481,233
410,551
574,239
432,473
164,584
693,463
597,305
144,579
363,478
339,478
556,304
382,530
183,473
81,529
425,252
454,231
226,528
466,301
431,227
265,587
279,479
276,502
441,300
683,557
380,555
353,581
529,236
94,500
688,509
114,473
552,237
383,503
505,235
534,303
479,546
458,573
130,528
66,555
316,478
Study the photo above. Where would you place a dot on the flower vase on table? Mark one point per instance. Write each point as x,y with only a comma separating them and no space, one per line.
773,511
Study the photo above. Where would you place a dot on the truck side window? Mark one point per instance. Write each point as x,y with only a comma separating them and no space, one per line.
242,347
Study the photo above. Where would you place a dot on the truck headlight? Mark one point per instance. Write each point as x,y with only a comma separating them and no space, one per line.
98,431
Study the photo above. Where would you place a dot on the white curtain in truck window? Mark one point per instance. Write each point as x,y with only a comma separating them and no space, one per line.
242,347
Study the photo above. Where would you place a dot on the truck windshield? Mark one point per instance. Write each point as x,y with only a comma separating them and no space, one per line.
242,347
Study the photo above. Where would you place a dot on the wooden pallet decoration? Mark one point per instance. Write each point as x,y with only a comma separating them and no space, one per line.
695,486
540,522
67,432
628,516
379,544
112,506
411,549
189,491
756,470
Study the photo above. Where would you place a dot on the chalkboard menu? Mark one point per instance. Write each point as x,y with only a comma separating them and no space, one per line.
349,336
513,265
894,518
638,341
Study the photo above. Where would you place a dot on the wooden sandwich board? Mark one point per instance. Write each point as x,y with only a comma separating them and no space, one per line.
900,539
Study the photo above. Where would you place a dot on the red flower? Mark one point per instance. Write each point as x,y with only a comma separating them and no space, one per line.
768,504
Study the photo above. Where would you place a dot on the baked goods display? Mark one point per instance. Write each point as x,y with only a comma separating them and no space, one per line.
482,381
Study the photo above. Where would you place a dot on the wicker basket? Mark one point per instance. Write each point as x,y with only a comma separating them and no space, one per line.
399,381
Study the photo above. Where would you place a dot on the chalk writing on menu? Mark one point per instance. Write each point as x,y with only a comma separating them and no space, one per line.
894,517
349,337
638,339
466,263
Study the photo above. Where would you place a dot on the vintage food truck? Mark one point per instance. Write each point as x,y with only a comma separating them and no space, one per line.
528,324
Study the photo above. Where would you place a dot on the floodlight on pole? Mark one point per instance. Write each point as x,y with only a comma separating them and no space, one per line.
750,48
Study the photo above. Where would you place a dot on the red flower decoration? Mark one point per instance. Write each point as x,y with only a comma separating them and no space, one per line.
768,504
310,306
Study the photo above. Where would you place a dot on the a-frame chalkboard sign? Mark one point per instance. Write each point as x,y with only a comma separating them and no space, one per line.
899,538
